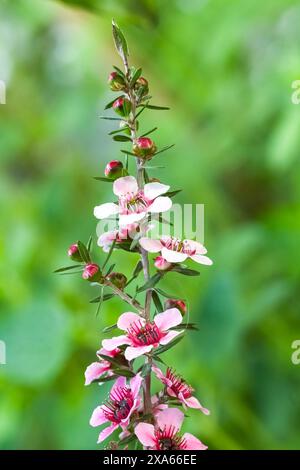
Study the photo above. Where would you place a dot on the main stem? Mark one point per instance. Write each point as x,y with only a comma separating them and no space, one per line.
143,228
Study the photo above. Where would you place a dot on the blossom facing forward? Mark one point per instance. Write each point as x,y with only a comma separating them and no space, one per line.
123,401
141,335
175,250
165,435
177,387
134,203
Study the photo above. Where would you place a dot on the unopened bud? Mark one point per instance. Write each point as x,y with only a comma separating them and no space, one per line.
92,272
174,303
73,252
141,86
117,279
122,106
116,82
114,169
161,264
144,147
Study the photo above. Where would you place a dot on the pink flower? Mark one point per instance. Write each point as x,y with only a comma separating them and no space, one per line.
174,250
95,370
123,401
177,387
141,336
166,434
91,272
134,204
161,264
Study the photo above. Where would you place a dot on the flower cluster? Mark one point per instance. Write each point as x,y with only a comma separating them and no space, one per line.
154,421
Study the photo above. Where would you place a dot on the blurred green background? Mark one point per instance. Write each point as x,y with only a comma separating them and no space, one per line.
225,68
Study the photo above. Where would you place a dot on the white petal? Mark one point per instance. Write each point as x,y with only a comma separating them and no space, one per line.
200,249
124,185
153,246
128,219
160,204
153,190
106,210
173,256
202,259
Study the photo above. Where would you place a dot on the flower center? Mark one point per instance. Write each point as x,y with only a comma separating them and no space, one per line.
144,335
133,203
119,405
169,439
178,384
175,244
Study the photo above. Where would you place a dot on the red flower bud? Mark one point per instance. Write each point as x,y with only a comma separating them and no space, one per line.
73,252
144,147
161,264
174,303
114,170
117,279
141,86
116,82
122,106
91,272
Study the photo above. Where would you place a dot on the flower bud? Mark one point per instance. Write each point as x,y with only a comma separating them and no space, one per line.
122,106
114,169
117,279
116,82
174,303
161,264
92,272
141,86
144,147
73,252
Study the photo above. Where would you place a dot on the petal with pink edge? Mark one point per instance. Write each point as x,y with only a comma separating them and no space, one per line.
160,204
145,434
106,210
198,247
192,443
98,417
119,383
169,337
192,402
159,374
114,342
153,190
106,432
127,319
173,256
135,385
125,185
95,370
153,246
202,260
168,319
132,353
170,417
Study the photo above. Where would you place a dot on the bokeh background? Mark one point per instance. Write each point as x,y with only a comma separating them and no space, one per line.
225,68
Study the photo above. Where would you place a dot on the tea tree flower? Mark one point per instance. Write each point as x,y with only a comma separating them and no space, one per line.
101,368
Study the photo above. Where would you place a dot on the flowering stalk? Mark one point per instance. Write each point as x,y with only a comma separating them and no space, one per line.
149,420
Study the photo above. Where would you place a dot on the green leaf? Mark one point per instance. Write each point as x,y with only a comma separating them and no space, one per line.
135,77
110,269
102,178
122,138
100,301
150,283
165,348
83,252
109,254
100,298
113,360
120,41
158,359
128,153
185,271
158,108
164,149
136,272
173,193
157,302
167,295
186,326
89,244
109,105
110,118
104,379
119,71
127,439
67,268
121,129
110,328
124,372
135,241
